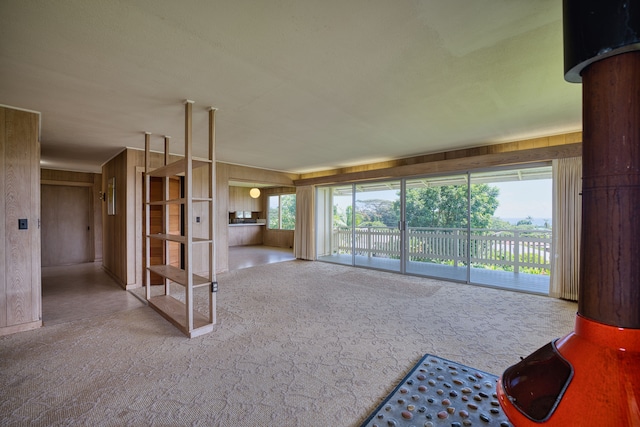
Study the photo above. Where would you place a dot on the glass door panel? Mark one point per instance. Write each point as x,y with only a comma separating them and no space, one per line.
436,210
376,233
510,243
334,212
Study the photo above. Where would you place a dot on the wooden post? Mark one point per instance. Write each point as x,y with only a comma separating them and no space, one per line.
188,230
165,226
147,188
212,216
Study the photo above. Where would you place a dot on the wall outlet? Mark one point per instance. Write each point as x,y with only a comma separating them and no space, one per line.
198,219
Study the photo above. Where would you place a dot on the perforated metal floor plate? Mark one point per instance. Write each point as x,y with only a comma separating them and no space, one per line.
438,392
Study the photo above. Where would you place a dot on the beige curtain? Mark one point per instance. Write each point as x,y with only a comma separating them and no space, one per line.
567,221
304,237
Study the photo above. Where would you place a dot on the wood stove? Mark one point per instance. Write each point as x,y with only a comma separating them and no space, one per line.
591,377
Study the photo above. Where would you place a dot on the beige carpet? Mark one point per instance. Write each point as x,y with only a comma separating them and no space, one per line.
297,344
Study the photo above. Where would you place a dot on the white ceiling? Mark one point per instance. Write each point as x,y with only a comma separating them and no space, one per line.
300,85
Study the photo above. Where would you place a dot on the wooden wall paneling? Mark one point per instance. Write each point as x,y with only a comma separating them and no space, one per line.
18,262
278,238
256,204
222,213
244,235
66,177
3,255
114,226
233,197
108,229
16,240
49,226
248,174
513,157
119,231
21,195
424,164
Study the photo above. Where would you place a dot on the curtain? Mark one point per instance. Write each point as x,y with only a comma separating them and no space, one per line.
567,221
304,237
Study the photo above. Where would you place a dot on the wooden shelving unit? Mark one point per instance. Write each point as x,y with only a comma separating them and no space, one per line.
182,313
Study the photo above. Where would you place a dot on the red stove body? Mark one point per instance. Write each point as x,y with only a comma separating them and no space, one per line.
591,377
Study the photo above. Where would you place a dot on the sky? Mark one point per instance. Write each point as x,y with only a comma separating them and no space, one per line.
521,199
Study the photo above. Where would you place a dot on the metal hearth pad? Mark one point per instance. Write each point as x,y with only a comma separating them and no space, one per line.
438,393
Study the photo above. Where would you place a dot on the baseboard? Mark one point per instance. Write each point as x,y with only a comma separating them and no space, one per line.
114,277
7,330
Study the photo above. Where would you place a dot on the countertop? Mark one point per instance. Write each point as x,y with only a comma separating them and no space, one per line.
247,224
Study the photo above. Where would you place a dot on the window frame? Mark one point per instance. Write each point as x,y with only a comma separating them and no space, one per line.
279,220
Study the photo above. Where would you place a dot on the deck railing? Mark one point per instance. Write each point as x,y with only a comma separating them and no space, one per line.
509,249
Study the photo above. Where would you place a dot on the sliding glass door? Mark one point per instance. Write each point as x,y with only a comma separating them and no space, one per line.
511,228
490,228
334,219
376,225
437,212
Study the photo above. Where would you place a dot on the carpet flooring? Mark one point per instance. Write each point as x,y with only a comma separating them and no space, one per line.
297,343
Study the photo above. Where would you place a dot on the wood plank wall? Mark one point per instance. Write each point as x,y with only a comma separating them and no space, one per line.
510,153
115,246
20,276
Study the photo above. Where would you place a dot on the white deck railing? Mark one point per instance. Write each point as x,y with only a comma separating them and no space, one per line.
515,248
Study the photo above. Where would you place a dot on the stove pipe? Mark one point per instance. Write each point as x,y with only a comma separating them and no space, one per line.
591,377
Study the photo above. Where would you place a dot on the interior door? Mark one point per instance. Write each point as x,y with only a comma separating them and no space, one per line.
66,225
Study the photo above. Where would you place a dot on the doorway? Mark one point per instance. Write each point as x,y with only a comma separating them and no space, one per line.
66,213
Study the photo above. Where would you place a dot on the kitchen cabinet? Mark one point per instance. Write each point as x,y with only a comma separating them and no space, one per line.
240,200
245,234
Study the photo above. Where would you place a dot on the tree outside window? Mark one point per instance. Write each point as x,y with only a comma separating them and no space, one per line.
282,212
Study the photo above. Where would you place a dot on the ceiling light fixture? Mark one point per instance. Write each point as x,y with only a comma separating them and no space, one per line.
254,193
